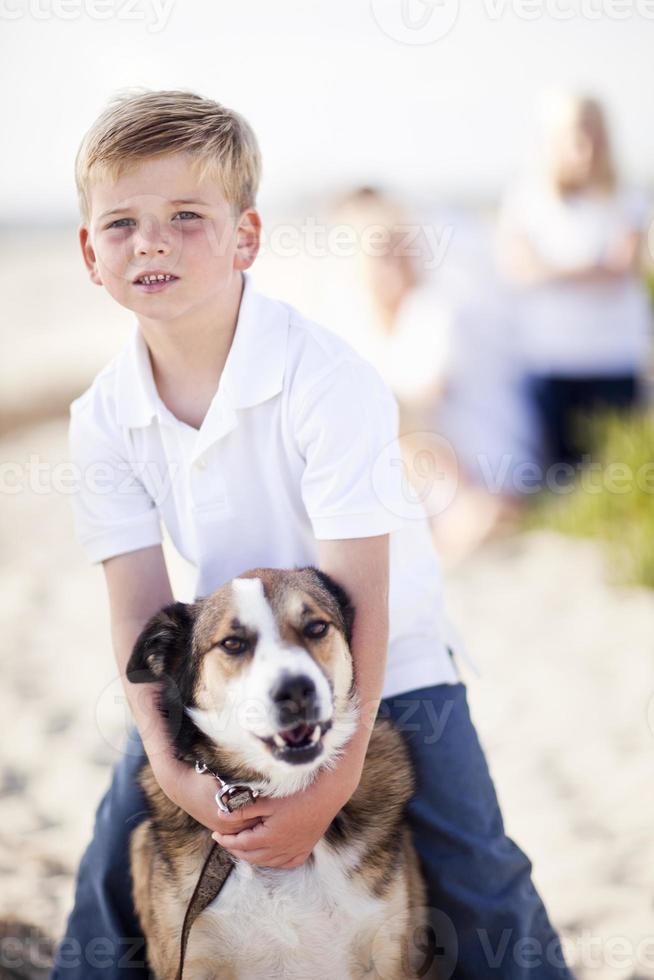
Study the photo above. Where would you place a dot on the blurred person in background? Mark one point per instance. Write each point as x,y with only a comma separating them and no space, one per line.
570,241
442,340
399,321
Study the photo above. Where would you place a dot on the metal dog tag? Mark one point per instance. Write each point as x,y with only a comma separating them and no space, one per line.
229,790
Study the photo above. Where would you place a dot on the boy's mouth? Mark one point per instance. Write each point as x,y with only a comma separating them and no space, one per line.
154,282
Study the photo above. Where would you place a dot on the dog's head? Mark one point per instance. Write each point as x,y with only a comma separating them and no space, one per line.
261,667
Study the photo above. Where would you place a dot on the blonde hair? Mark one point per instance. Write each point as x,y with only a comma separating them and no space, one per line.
578,112
140,124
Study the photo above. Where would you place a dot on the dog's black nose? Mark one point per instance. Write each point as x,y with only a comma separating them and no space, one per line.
295,699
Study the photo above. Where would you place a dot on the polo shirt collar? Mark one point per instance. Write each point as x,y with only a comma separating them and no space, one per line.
253,372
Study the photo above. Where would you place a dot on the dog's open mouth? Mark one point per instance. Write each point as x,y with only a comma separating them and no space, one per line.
300,743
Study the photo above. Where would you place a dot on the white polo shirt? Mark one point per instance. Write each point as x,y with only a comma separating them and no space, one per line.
298,444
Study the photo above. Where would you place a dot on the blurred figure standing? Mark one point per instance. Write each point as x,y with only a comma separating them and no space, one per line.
571,241
440,339
399,320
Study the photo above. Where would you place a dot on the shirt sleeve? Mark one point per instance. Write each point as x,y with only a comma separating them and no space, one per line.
346,431
112,511
636,209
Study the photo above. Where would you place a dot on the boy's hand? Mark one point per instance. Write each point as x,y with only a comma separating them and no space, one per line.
197,796
273,833
281,833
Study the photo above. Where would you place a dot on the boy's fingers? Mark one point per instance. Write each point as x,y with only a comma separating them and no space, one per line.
230,839
246,839
234,828
260,808
243,813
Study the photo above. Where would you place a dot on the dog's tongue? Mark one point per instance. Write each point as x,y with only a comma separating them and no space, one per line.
295,735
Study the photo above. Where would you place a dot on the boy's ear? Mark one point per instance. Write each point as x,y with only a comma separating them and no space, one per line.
248,239
162,646
88,254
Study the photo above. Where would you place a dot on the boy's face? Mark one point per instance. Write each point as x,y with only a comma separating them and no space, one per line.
159,218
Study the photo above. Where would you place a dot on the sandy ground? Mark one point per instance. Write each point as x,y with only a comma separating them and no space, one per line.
562,703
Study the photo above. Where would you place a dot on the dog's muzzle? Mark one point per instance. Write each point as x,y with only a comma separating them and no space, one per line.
296,701
300,729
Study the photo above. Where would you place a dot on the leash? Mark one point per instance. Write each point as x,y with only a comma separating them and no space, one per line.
219,863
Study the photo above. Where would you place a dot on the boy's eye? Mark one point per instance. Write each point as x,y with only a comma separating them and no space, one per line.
118,223
124,222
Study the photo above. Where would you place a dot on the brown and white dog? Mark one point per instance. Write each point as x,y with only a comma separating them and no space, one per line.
257,681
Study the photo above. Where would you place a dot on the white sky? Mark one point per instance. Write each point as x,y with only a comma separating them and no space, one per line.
333,99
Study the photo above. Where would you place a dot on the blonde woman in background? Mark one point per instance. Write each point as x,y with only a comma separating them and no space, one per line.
571,241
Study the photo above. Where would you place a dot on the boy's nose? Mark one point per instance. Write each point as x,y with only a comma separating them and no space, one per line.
151,238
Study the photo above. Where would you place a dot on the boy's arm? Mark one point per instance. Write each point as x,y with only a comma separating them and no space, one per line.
138,587
360,565
108,522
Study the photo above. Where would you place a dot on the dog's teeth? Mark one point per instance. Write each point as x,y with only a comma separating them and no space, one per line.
315,735
279,741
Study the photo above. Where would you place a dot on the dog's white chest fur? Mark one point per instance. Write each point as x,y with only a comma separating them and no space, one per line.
293,924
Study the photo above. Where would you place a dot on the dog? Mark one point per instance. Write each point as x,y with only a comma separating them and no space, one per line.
257,681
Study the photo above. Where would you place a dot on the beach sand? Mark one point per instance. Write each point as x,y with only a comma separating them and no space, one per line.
564,708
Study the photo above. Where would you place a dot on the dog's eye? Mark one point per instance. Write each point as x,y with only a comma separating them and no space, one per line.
315,629
234,644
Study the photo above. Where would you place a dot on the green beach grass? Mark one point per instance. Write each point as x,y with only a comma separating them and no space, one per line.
612,497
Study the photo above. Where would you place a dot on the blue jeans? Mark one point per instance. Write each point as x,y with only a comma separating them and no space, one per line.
486,918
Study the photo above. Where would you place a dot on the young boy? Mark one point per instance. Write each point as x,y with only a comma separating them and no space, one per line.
261,439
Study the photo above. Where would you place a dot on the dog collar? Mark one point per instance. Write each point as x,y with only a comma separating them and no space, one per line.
227,791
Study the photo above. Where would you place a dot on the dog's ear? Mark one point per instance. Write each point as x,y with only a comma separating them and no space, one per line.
342,598
162,646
